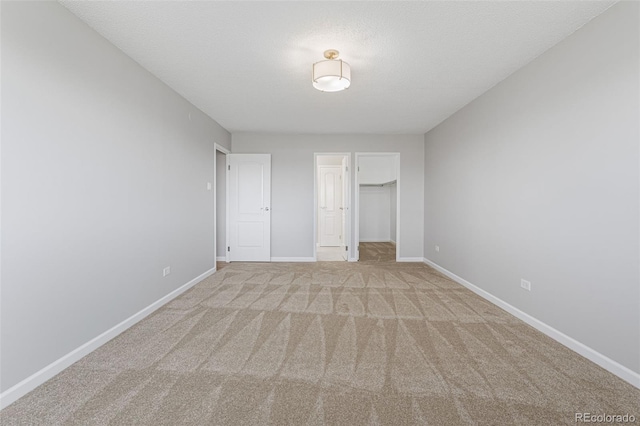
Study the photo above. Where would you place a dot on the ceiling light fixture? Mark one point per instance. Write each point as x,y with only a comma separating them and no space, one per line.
332,75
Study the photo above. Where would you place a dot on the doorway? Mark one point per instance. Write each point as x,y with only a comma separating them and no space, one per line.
331,217
220,203
377,206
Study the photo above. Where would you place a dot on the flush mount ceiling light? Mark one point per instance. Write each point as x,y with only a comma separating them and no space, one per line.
332,75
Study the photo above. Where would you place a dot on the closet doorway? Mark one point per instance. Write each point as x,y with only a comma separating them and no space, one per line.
331,218
377,206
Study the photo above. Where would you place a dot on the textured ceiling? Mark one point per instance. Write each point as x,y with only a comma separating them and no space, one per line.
248,64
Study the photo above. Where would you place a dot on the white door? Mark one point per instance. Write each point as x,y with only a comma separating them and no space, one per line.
343,209
330,202
249,207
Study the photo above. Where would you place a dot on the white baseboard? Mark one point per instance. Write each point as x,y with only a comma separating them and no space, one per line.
293,259
591,354
27,385
353,259
221,259
410,259
375,240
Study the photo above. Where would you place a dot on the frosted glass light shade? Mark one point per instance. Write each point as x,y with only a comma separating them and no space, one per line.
331,75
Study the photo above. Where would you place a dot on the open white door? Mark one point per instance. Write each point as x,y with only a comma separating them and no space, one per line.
249,207
343,208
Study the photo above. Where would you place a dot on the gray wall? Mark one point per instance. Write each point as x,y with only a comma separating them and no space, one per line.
292,184
103,184
538,179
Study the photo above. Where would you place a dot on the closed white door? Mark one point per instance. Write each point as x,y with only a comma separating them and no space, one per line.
249,207
330,203
343,209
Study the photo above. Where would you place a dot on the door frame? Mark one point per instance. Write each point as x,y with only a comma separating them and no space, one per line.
346,186
225,151
356,209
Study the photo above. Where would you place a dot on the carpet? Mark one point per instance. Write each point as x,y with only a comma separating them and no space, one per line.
377,252
332,343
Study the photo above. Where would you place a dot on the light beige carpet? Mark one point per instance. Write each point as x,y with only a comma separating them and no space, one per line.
378,252
327,343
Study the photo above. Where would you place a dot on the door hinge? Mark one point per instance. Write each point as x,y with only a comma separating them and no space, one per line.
358,168
346,169
346,248
228,167
228,248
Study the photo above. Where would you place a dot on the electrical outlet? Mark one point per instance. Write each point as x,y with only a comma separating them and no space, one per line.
166,271
525,284
438,249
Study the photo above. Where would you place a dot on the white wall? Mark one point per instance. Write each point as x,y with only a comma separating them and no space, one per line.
329,160
292,173
376,169
375,213
539,179
104,173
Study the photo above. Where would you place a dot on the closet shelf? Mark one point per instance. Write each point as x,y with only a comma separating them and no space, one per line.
391,182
